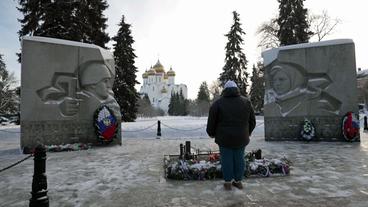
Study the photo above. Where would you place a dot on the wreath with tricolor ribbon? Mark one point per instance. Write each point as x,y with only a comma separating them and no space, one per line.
350,126
106,124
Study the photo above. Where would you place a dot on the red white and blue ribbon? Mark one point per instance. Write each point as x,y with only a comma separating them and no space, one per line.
350,126
106,124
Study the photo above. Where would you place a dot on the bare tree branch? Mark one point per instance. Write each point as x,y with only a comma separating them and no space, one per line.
322,25
268,34
215,89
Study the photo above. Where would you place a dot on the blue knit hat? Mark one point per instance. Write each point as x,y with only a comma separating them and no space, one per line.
230,84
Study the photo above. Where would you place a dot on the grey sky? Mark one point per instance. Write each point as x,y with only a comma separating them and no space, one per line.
189,34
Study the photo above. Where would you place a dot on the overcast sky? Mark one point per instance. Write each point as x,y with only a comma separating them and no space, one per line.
189,34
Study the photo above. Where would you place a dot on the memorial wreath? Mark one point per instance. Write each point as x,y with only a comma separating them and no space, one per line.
106,124
308,131
350,126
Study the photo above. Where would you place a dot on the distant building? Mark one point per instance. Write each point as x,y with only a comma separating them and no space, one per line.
159,85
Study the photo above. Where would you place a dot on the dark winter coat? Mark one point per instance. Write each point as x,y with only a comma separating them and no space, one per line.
231,119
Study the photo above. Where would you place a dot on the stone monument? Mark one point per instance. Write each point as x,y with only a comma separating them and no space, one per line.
63,84
316,81
362,83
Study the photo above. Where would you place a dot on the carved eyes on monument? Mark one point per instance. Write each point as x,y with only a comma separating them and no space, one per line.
281,83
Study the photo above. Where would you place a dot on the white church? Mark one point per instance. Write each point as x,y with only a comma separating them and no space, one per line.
159,85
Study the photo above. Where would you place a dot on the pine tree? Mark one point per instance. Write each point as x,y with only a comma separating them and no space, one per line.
258,87
90,21
292,21
203,99
57,21
183,104
178,105
203,93
8,96
173,104
34,11
81,20
235,61
144,106
125,79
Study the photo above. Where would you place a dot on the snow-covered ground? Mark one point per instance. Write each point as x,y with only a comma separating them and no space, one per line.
323,174
174,127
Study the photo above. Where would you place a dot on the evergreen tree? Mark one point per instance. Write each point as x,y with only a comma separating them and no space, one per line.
258,87
292,21
90,21
81,20
203,99
144,106
235,61
183,104
33,11
57,21
178,105
192,108
125,79
173,104
145,109
8,96
203,93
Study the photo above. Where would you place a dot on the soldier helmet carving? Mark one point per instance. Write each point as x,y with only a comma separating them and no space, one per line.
93,72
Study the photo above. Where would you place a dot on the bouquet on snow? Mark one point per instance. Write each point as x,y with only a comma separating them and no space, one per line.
68,147
192,169
209,167
257,166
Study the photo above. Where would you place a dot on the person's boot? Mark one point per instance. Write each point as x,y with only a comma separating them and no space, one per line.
238,184
227,185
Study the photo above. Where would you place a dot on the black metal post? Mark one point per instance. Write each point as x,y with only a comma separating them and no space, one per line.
39,183
365,123
181,151
187,150
258,154
158,129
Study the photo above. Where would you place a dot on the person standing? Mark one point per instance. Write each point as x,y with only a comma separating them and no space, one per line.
231,121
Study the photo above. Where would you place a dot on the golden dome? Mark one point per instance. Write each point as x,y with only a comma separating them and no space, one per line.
151,72
158,67
170,72
145,74
163,90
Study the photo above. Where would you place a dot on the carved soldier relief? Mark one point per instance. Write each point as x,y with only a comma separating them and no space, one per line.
316,81
294,91
63,84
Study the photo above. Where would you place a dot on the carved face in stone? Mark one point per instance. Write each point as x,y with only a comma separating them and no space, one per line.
285,78
281,82
102,88
96,78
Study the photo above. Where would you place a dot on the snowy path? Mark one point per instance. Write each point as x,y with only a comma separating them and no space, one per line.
324,174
